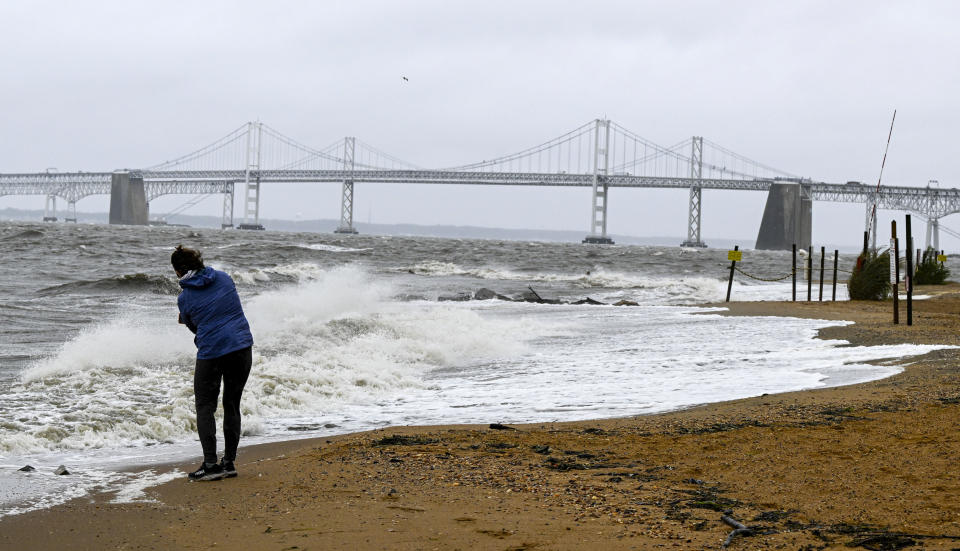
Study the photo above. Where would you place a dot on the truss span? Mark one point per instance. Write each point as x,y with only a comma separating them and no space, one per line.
931,202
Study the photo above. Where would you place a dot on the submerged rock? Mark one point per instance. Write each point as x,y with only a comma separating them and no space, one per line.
61,470
459,297
588,300
484,294
27,469
625,303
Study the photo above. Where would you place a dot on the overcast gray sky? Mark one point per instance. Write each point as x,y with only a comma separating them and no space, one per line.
807,87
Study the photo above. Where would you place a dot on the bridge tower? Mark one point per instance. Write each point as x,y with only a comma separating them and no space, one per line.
50,209
251,179
696,173
346,199
601,167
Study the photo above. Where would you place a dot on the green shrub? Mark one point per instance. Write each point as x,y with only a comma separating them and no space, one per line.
929,271
871,277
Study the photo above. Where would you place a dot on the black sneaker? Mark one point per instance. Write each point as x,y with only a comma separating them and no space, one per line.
229,471
207,472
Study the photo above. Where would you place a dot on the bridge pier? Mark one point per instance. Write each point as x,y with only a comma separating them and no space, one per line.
128,199
71,215
601,166
226,220
787,219
50,209
346,196
933,230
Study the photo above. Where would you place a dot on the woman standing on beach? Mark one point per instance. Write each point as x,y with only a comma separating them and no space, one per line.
210,307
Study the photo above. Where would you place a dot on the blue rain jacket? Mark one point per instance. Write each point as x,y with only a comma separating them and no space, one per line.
210,307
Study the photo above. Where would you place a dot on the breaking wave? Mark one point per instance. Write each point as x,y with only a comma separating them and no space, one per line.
130,283
334,341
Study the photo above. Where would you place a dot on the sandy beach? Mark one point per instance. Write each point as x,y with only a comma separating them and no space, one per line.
870,466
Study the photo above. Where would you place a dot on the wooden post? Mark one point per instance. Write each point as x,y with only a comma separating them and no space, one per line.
895,258
866,242
733,265
823,253
810,274
917,264
794,272
835,253
909,276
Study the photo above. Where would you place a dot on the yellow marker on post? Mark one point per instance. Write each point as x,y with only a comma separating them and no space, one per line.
733,256
941,258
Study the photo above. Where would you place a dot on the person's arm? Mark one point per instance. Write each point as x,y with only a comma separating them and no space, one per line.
190,325
185,318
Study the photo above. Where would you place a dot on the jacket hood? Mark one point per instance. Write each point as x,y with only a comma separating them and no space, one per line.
200,279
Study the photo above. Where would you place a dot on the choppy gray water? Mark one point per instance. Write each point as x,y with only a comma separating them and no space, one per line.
350,335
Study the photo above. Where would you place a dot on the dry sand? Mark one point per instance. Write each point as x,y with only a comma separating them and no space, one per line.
871,466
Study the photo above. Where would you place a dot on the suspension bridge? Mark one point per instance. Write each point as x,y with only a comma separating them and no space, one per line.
601,155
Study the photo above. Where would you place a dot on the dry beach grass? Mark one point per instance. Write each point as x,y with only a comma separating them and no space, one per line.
872,466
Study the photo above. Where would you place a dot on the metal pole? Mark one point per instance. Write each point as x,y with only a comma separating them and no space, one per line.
733,264
896,271
810,274
835,252
823,252
794,270
909,275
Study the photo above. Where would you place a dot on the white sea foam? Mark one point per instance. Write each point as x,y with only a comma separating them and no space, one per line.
43,489
134,490
320,345
624,285
329,248
299,271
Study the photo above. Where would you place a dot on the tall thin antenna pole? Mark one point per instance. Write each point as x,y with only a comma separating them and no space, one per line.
876,195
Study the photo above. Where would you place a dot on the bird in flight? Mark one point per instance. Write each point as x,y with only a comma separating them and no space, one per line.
405,79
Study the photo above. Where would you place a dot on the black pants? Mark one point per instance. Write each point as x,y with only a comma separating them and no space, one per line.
233,369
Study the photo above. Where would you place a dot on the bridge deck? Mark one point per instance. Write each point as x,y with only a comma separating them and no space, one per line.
932,202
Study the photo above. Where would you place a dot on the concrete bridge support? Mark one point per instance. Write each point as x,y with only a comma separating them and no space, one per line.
128,199
71,215
933,234
226,220
50,209
787,219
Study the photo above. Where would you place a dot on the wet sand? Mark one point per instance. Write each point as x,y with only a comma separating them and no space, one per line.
871,466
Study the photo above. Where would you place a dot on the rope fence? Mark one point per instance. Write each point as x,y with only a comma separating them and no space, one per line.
758,278
806,266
